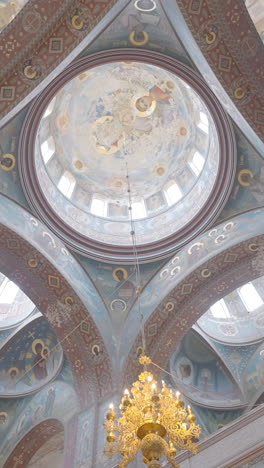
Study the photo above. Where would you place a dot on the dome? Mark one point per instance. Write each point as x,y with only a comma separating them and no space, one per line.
127,139
237,318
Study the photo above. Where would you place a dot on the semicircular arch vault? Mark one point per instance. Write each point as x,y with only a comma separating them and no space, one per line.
52,294
188,294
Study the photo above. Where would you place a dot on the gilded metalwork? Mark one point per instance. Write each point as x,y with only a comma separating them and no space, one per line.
152,420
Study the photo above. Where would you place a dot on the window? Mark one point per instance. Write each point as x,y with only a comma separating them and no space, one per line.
8,291
66,184
203,124
98,207
197,163
50,108
250,297
138,210
173,193
220,310
47,149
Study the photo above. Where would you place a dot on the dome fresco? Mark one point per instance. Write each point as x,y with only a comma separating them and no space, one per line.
15,306
200,374
33,357
122,135
130,123
223,372
127,118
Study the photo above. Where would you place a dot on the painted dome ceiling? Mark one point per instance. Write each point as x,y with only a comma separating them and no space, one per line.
127,117
238,318
219,362
122,139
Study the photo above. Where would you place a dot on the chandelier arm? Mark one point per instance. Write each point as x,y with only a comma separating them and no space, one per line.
129,456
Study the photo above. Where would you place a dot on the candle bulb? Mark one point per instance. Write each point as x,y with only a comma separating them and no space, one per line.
126,392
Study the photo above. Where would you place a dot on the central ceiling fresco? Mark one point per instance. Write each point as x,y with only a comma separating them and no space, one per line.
116,139
127,114
128,126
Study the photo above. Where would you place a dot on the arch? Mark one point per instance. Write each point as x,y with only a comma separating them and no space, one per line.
31,266
215,397
56,400
32,442
186,295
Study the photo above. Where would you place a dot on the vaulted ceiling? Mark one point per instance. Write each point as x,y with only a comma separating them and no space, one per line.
113,108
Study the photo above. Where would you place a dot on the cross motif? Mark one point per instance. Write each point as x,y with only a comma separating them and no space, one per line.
31,335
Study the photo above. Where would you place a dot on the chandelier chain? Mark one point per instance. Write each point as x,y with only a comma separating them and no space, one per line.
135,255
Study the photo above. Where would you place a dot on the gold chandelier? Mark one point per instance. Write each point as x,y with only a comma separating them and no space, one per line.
153,420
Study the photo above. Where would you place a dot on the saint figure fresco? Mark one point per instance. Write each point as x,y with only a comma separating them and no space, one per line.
126,288
40,362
